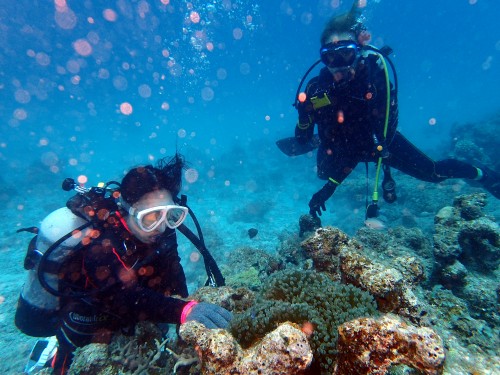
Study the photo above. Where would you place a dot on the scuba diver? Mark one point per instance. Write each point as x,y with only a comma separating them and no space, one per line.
109,260
354,103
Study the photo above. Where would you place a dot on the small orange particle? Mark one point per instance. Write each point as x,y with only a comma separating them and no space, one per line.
194,17
368,96
307,328
340,117
302,97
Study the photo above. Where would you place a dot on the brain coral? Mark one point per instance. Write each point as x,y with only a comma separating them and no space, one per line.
309,299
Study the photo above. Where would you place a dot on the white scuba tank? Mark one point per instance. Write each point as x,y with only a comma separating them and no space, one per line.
56,225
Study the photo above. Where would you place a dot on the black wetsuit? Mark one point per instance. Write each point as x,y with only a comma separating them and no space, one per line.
351,119
114,282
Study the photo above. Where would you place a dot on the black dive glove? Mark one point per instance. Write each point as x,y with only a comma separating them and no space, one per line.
210,315
317,202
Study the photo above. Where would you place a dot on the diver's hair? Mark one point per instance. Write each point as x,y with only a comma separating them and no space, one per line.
344,23
167,174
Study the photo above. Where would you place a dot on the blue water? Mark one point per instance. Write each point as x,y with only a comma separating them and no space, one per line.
214,80
446,54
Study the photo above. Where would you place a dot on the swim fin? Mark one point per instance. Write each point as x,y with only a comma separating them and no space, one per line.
292,147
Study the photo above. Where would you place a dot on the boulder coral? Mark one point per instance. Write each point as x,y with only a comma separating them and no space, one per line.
283,351
372,346
345,260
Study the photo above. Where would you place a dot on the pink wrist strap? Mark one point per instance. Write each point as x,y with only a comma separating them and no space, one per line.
186,310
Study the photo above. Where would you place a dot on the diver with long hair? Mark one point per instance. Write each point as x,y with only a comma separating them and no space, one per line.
109,260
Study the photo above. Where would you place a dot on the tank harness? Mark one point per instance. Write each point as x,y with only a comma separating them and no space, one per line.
98,198
388,184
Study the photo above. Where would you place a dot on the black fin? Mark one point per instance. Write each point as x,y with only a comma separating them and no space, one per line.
292,147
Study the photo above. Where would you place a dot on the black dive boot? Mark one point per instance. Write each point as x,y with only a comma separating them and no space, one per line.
491,181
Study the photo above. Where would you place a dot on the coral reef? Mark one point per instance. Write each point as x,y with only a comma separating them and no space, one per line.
382,282
480,243
285,351
370,346
465,149
453,316
308,223
289,249
138,354
249,267
309,299
477,141
467,249
342,258
465,234
232,299
401,243
324,248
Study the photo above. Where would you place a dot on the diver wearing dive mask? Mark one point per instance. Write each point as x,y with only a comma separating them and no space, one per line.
340,54
353,102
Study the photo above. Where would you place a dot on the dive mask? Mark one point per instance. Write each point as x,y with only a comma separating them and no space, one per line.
341,54
151,218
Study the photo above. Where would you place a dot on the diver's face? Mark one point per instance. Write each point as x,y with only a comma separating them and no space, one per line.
342,73
149,200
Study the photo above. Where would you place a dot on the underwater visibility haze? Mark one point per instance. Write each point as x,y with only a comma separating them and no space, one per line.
90,89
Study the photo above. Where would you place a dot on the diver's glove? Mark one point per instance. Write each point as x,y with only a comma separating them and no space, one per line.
317,202
208,314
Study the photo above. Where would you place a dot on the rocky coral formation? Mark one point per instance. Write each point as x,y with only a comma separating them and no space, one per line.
480,243
308,223
248,267
464,234
324,248
369,346
232,299
333,252
285,351
400,243
472,344
138,354
307,298
382,282
467,249
477,141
